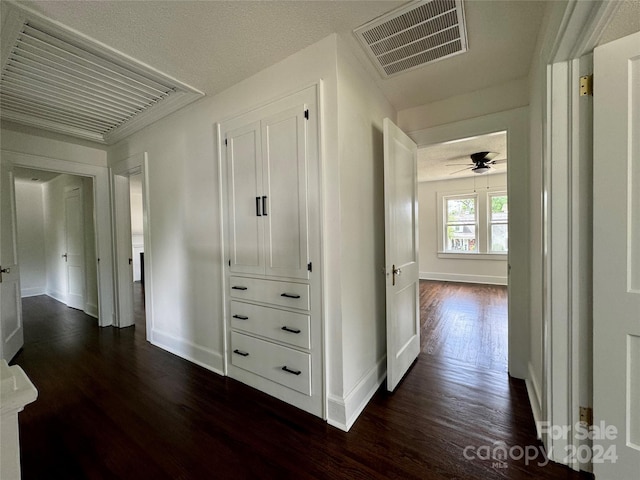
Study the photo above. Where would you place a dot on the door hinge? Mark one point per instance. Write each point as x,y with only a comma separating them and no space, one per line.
225,142
586,415
306,114
229,262
586,85
310,266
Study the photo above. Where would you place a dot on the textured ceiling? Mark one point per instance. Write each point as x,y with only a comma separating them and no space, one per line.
212,45
433,160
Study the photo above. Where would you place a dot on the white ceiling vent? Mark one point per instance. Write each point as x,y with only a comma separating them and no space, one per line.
414,35
56,79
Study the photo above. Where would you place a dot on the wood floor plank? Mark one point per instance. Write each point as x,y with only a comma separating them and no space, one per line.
111,405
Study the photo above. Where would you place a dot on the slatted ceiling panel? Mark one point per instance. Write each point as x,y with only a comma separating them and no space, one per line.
56,79
415,35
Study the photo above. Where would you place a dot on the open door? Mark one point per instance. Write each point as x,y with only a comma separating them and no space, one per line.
74,254
616,259
401,252
124,260
11,333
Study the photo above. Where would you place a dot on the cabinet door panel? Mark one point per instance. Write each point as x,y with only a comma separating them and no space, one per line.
244,180
285,183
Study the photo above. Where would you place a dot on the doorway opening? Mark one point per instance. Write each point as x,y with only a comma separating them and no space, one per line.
57,246
137,248
464,248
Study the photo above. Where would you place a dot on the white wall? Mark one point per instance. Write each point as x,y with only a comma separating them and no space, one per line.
494,99
55,240
361,109
433,267
184,200
30,216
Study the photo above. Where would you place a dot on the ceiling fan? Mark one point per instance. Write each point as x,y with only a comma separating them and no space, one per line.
481,162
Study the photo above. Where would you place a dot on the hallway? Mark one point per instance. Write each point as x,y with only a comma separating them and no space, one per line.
112,405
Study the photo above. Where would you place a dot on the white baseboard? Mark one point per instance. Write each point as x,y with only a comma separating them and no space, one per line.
535,399
91,309
59,296
463,278
32,291
343,412
197,354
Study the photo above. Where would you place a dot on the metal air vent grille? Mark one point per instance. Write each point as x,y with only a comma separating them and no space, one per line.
415,35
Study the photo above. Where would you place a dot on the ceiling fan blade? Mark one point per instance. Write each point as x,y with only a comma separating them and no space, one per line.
453,173
458,165
498,162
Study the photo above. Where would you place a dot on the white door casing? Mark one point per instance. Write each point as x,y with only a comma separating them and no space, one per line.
616,262
74,248
401,252
11,331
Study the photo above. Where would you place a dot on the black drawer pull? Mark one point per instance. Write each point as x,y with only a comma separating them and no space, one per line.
264,206
292,330
290,295
258,207
288,370
241,317
241,353
238,288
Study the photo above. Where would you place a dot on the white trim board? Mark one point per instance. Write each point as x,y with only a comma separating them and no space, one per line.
32,291
201,356
463,278
343,412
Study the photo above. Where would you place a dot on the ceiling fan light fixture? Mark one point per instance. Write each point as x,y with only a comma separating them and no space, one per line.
481,169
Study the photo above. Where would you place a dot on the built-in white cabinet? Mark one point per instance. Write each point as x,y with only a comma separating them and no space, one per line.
272,223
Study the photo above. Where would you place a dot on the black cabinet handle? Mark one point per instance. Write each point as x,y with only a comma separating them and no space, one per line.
241,353
241,317
264,206
292,330
288,370
258,207
238,288
290,295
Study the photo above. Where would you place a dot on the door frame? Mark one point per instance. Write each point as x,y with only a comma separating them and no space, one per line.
133,165
102,220
515,123
573,32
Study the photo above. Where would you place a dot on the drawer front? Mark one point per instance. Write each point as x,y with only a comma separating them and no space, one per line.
279,364
286,327
285,294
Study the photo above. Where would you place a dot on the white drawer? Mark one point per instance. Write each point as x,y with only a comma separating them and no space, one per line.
282,326
282,365
285,294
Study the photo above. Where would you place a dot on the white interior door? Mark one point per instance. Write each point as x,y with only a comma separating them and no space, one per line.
616,263
74,254
401,252
11,332
124,260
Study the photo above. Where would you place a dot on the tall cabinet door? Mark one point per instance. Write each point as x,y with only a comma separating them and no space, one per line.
284,148
244,180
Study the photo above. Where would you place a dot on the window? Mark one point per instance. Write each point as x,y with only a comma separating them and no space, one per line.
473,224
498,223
461,222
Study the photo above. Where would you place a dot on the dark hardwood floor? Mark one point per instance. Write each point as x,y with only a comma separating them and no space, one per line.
466,322
113,406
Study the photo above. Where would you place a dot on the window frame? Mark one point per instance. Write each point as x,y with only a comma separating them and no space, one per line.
483,223
490,222
446,224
